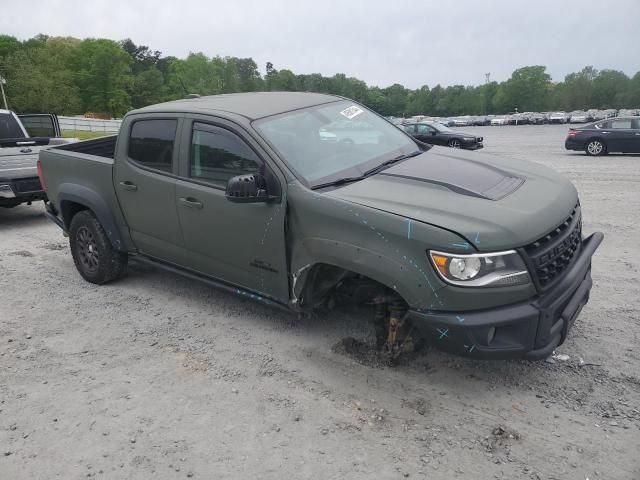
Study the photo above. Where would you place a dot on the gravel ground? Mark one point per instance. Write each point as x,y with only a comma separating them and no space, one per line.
157,376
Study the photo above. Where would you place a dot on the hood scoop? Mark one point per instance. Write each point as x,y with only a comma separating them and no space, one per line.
466,177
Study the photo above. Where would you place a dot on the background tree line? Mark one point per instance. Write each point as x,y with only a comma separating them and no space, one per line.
70,76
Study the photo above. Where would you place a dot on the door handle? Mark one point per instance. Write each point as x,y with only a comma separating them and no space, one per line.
126,185
191,202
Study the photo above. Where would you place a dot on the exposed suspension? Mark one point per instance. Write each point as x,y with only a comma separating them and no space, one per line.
392,326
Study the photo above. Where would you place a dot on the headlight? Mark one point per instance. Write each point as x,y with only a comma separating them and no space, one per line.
497,269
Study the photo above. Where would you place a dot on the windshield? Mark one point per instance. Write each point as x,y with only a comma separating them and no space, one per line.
9,127
329,142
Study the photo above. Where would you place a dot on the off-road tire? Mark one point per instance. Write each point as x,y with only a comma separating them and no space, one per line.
95,258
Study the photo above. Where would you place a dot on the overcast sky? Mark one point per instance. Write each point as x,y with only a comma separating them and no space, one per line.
380,41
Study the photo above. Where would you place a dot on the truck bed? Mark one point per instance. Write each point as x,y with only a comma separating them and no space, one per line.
82,170
101,147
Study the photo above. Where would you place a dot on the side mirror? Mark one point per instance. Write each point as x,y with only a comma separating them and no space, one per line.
433,132
251,188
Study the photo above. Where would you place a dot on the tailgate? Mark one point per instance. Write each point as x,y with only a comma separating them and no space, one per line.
17,162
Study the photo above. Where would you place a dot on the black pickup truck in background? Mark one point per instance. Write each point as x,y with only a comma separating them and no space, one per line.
21,138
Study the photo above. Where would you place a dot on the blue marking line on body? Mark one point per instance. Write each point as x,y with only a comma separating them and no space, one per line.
443,333
409,228
464,245
477,240
460,319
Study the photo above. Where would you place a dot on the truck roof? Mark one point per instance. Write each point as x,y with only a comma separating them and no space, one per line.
251,105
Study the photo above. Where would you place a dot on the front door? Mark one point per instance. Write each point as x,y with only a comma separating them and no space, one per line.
145,184
428,134
243,244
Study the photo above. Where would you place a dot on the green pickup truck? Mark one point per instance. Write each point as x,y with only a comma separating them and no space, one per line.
252,193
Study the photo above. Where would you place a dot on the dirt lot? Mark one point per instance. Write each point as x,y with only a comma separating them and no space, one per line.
157,376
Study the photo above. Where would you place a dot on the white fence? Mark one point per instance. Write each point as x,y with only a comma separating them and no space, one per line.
89,124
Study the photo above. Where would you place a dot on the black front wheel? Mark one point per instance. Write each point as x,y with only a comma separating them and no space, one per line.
455,143
95,258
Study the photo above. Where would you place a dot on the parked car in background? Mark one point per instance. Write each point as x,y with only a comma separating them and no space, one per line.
620,134
447,122
500,120
557,117
518,119
464,121
21,138
537,118
595,114
437,134
579,116
633,112
481,120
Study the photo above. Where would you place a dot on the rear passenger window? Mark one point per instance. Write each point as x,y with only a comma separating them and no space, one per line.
218,154
151,143
38,125
620,124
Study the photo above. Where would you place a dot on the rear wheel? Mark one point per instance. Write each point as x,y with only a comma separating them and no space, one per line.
455,143
595,147
94,256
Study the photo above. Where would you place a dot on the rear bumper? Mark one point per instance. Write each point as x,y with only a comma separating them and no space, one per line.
23,190
571,144
529,330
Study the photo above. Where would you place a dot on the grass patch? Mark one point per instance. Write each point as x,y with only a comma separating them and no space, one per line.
83,135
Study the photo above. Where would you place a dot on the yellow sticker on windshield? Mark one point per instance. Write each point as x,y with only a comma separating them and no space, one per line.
351,112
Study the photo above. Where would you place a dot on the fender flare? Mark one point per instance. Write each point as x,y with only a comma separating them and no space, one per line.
361,260
73,193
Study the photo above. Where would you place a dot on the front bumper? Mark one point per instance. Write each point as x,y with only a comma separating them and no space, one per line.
529,330
473,146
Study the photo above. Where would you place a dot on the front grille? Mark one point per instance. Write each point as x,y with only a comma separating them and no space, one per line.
553,253
27,186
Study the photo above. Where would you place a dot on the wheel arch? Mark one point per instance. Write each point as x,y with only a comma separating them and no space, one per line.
313,282
598,138
73,198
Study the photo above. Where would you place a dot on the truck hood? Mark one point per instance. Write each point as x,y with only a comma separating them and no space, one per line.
493,203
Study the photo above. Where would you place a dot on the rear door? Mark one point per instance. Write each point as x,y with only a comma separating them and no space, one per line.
145,175
243,244
635,141
621,135
41,125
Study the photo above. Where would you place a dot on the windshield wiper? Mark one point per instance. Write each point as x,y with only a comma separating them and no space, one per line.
397,159
382,166
340,181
